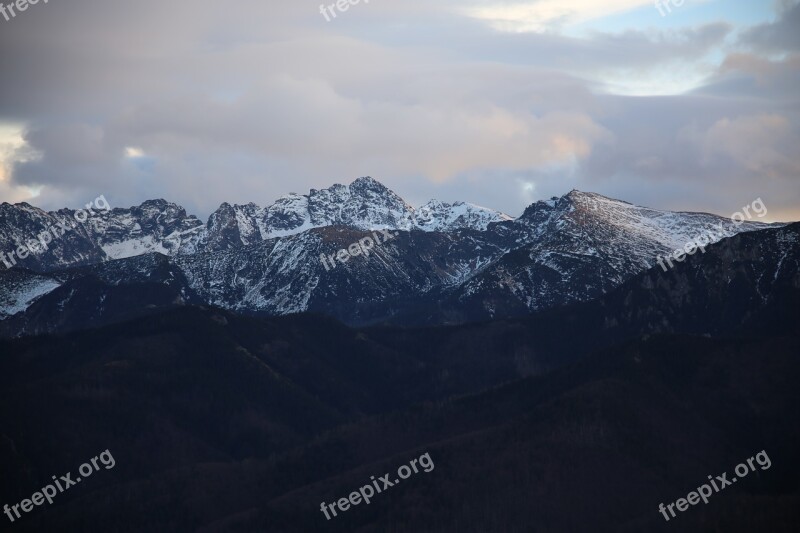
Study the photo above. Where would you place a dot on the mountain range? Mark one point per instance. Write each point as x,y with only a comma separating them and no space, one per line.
591,413
212,361
449,263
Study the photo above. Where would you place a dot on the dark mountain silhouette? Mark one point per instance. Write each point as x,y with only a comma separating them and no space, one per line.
582,417
444,264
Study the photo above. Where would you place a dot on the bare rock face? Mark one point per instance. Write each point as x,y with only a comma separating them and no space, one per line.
447,263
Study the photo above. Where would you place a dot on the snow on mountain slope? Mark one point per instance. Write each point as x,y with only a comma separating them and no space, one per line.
21,224
164,227
579,246
286,275
670,229
469,262
365,204
154,226
21,288
440,216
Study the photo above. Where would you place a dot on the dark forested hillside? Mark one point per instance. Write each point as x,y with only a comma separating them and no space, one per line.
583,416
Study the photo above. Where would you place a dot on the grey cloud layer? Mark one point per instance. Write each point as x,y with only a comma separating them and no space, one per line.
780,36
247,101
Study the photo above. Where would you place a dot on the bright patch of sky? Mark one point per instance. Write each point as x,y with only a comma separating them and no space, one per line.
693,13
683,76
582,19
133,152
11,143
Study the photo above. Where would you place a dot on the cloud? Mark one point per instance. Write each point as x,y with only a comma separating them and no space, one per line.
763,144
780,36
543,15
201,103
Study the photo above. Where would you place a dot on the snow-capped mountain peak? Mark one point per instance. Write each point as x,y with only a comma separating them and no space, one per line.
468,261
365,204
440,216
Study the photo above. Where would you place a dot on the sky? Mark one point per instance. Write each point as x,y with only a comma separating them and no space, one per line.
675,104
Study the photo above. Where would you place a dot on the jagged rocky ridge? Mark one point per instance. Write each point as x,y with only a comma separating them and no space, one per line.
449,262
269,416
